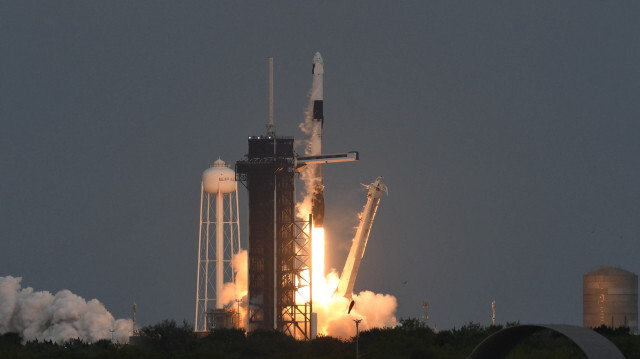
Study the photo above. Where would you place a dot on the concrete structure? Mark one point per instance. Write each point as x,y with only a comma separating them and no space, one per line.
610,297
499,344
222,318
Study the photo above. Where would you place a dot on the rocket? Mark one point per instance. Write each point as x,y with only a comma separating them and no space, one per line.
315,144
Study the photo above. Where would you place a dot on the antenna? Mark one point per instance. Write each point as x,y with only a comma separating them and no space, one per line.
134,328
271,127
493,309
425,307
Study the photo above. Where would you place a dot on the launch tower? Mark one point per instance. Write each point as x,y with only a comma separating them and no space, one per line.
280,278
279,247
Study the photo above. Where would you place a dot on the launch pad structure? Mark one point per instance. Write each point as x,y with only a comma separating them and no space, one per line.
279,246
280,284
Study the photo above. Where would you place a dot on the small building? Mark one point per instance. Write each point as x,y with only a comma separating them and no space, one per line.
610,297
222,318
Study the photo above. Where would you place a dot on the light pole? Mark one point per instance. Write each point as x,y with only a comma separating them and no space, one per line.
238,301
357,321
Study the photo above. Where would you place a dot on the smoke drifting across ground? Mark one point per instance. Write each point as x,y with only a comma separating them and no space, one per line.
57,317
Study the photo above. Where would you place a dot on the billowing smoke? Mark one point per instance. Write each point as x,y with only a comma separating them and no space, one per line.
375,311
59,318
304,207
238,290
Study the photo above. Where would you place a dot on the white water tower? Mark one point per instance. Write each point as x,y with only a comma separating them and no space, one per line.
219,241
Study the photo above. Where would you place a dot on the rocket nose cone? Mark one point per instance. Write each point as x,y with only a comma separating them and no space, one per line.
317,59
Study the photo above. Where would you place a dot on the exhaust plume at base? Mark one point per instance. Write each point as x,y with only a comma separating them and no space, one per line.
238,290
375,310
58,318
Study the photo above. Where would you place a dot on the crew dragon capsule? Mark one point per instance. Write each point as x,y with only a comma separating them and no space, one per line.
315,145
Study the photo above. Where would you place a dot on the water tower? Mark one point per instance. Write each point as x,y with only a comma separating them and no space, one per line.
610,297
218,243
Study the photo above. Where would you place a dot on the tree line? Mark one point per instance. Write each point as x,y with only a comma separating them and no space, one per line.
410,339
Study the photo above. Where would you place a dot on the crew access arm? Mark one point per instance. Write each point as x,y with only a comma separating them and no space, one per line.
350,271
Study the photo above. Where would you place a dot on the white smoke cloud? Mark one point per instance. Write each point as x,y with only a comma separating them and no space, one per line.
307,127
375,310
304,207
238,290
59,318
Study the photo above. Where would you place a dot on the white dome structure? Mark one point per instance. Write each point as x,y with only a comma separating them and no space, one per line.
219,178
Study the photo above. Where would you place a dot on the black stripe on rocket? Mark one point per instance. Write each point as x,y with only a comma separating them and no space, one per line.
317,110
317,201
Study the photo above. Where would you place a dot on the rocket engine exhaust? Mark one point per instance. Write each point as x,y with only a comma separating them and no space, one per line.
333,318
315,144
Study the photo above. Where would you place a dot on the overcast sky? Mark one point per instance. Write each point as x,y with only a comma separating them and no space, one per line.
506,131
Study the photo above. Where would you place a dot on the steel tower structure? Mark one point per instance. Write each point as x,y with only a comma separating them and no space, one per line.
280,277
279,246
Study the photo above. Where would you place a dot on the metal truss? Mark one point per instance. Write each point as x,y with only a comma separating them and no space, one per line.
294,272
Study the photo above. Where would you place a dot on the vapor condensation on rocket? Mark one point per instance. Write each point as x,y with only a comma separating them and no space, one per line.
315,144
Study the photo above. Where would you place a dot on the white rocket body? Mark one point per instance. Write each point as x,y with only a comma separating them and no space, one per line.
315,144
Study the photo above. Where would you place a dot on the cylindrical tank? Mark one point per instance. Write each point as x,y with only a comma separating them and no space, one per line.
219,178
610,297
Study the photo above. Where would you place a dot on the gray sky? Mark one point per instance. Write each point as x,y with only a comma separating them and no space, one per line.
507,133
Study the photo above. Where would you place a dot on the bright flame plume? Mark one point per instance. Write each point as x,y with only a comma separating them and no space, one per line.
375,310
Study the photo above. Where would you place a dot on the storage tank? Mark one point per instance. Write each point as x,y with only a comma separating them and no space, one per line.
610,297
219,178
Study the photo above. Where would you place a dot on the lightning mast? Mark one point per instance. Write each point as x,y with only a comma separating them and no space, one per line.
271,126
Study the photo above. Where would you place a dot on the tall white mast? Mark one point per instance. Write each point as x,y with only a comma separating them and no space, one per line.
271,126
